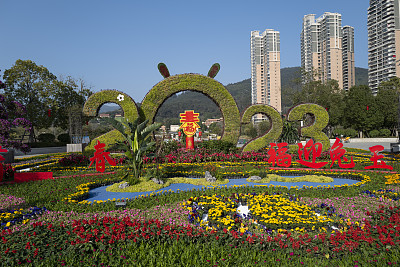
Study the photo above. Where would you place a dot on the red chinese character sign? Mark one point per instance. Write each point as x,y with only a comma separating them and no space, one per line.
189,126
279,156
337,152
100,156
1,164
310,152
381,164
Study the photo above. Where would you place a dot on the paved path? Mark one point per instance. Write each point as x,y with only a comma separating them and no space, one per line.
40,151
367,145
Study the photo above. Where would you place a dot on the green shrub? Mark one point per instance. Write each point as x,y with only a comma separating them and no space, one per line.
64,138
374,133
218,145
155,172
345,132
290,134
46,137
385,132
351,133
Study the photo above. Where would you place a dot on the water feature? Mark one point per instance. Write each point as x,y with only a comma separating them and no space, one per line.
100,193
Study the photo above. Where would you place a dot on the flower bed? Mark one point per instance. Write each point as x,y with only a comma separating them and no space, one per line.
70,233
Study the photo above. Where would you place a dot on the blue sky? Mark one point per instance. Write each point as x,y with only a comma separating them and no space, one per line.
118,44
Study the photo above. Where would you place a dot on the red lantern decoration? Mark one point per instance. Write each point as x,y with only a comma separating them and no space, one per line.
49,113
179,134
200,133
367,107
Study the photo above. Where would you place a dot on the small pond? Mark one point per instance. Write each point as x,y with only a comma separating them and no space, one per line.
100,193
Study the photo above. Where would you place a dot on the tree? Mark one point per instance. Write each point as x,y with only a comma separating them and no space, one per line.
327,95
263,127
39,91
387,100
249,130
71,93
362,112
216,128
33,87
137,141
12,115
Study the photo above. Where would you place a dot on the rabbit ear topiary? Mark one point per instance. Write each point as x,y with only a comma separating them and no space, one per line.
214,70
162,68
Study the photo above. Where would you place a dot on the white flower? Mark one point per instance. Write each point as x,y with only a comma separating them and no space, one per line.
120,97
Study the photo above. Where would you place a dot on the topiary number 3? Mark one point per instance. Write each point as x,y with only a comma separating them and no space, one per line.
314,131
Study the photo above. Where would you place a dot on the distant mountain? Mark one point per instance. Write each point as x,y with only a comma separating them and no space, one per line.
241,92
107,108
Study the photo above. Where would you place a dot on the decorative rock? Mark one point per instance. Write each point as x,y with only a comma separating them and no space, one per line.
157,181
209,177
123,186
254,178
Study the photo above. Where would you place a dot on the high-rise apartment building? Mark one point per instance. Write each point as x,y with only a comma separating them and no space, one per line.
323,51
349,68
383,41
265,69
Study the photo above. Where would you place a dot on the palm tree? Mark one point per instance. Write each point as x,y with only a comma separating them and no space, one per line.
137,142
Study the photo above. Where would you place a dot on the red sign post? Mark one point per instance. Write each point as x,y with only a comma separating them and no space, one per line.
189,125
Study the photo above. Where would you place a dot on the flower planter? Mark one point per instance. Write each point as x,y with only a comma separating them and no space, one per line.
21,177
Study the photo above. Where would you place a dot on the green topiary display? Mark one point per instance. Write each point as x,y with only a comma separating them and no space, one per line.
273,133
108,138
95,101
198,83
314,131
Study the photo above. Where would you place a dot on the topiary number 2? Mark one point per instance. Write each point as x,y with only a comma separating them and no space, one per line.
272,135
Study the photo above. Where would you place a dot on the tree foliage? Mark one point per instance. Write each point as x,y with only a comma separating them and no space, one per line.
70,93
327,95
387,100
39,90
33,87
362,112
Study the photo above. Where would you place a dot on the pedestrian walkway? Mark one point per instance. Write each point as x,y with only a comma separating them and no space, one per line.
40,151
